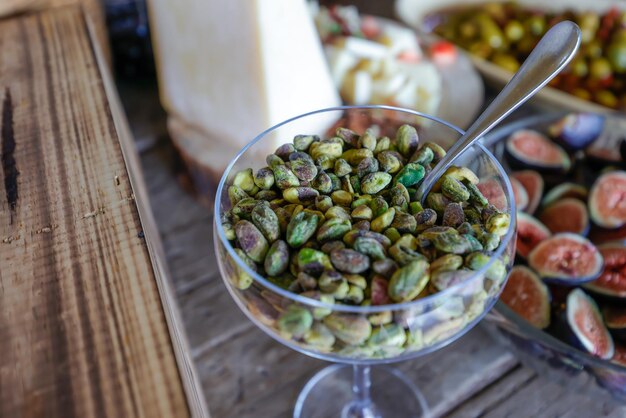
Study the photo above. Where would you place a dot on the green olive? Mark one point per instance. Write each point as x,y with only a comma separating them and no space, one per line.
506,61
579,67
593,49
589,23
468,30
490,32
606,98
526,44
480,49
514,30
581,93
616,54
536,25
600,69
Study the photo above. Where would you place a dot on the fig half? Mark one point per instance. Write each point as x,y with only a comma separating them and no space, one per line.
566,215
567,259
527,296
530,232
533,184
585,322
577,130
531,149
607,200
565,190
615,321
519,193
612,280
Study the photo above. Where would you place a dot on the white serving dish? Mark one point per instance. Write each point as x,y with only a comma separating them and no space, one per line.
414,13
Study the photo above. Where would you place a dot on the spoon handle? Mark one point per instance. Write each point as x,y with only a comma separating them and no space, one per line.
557,47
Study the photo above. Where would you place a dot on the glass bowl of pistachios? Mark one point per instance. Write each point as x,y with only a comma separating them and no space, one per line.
322,243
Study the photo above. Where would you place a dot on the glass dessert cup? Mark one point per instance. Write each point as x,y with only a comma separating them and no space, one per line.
344,333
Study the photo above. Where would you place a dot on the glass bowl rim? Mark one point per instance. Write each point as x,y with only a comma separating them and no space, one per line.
425,301
523,326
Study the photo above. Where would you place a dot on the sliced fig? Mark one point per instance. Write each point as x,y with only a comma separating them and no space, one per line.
612,280
577,130
493,191
533,183
531,149
585,322
566,215
572,190
566,258
527,296
615,320
530,232
603,235
607,200
519,193
619,356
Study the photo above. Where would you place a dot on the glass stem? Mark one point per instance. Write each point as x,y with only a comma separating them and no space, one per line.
361,385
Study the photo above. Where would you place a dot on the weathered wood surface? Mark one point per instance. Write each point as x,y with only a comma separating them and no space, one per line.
82,329
247,374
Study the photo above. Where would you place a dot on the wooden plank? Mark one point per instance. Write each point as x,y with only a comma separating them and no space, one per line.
82,328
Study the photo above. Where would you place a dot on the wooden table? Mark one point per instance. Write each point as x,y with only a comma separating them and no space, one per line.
245,373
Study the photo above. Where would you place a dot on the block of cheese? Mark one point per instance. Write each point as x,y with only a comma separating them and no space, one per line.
230,69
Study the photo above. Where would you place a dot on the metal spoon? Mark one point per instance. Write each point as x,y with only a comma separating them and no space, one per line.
550,56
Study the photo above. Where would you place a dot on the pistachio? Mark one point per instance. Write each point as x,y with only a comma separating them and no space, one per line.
355,184
305,282
244,179
349,137
490,241
385,267
487,212
425,219
366,166
312,261
476,197
267,195
264,178
474,243
361,200
356,280
323,203
336,181
446,262
437,202
354,295
404,223
235,194
251,240
438,151
498,224
277,258
472,215
229,231
320,337
399,197
383,221
462,174
442,279
342,168
341,197
370,247
350,237
477,260
337,212
379,206
325,147
266,220
362,212
330,281
404,255
303,142
243,209
408,281
410,175
349,328
387,335
333,228
454,190
423,156
349,261
382,144
241,279
322,183
368,140
274,161
466,229
332,245
390,161
452,242
407,140
453,215
415,207
355,156
392,234
284,151
301,227
300,195
285,178
363,224
295,321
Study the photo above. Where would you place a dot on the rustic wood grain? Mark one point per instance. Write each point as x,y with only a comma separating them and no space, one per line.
82,329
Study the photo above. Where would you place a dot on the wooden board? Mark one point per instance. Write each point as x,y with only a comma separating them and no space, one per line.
83,331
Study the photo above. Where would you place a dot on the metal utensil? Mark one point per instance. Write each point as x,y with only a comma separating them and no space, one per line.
553,52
